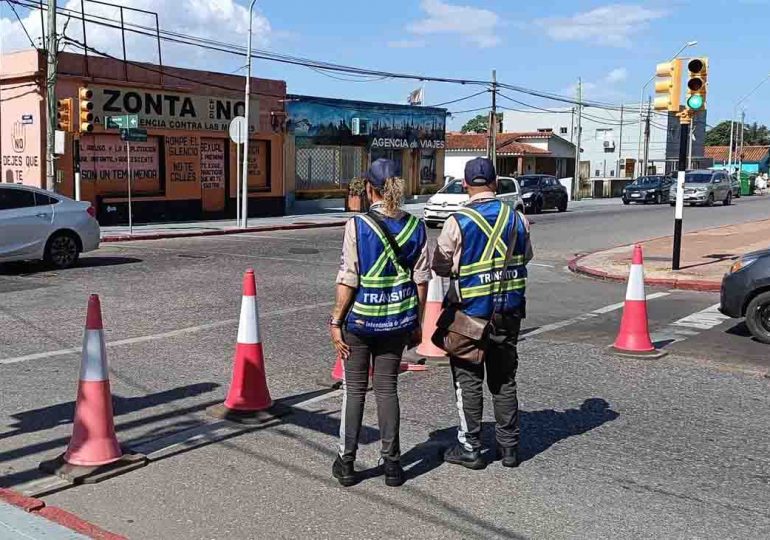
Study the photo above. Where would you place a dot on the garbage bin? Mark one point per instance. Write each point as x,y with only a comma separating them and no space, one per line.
747,184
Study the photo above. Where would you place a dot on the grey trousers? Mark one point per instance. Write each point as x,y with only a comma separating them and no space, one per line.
384,354
500,364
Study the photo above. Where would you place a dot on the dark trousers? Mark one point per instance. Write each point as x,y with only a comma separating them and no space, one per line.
384,354
500,363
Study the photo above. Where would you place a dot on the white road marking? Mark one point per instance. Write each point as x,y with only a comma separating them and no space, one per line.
163,335
318,399
689,326
584,317
540,264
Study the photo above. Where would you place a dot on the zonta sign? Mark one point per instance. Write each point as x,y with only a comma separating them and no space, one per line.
171,110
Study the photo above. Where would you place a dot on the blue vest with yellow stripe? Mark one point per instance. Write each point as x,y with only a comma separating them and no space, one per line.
386,300
487,228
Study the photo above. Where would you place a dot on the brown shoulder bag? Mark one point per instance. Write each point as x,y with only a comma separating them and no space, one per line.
460,335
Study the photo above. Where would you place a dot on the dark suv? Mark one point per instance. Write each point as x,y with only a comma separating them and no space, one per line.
647,189
746,293
541,192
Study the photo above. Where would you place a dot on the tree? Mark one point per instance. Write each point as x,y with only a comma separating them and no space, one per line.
719,135
756,135
753,134
480,124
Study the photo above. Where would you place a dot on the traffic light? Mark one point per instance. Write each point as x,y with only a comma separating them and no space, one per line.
64,110
86,110
696,84
668,85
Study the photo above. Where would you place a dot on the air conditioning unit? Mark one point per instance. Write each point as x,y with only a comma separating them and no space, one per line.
359,126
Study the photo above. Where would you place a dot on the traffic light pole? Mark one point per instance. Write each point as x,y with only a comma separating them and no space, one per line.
76,165
684,137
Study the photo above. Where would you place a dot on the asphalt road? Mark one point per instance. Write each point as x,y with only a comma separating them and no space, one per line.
614,447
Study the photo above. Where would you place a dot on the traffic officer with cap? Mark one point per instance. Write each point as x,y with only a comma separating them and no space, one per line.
382,285
472,250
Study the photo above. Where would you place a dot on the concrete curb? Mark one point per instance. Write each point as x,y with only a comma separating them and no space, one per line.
221,232
57,515
672,283
701,285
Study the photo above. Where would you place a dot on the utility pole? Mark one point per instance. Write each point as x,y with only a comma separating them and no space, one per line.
492,128
576,179
740,144
51,45
620,143
572,127
646,137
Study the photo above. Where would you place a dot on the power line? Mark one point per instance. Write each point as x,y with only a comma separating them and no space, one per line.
31,42
460,99
230,48
161,72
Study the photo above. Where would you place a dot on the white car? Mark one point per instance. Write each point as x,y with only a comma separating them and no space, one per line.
38,224
452,197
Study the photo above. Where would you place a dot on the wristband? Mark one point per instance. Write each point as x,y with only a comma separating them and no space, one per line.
336,323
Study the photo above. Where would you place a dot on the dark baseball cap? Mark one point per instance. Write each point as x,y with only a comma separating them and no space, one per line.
480,172
381,170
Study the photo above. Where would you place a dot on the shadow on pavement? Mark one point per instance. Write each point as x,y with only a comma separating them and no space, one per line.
63,413
27,268
539,431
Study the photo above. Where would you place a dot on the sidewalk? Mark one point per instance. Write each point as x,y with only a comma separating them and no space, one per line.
706,256
156,231
330,217
25,517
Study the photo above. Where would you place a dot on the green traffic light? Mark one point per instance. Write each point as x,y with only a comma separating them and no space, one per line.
695,102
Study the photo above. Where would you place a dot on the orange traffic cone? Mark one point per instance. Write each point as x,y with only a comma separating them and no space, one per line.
248,400
634,336
93,446
426,349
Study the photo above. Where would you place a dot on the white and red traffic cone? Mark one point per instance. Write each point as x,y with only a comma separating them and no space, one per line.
634,335
427,349
93,439
248,400
93,452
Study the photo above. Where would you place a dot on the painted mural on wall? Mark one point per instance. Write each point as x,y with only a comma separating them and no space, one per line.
327,121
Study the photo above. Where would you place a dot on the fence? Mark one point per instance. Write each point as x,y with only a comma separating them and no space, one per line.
328,167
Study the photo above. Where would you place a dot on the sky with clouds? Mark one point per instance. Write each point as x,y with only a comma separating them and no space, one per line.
544,45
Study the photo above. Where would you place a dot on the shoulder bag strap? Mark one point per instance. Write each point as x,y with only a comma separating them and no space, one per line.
400,258
508,254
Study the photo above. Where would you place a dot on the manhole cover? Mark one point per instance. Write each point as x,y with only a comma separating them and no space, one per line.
303,251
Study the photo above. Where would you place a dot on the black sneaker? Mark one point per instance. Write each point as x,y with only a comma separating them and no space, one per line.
458,455
508,456
394,474
344,472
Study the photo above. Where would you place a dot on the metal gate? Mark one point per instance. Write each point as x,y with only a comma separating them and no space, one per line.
324,167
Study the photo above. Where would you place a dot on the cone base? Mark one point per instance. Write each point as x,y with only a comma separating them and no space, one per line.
80,474
650,355
251,418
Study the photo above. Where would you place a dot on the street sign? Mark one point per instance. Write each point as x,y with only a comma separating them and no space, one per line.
123,121
238,130
133,134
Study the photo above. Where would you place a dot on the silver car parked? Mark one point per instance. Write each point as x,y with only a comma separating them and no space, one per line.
704,187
